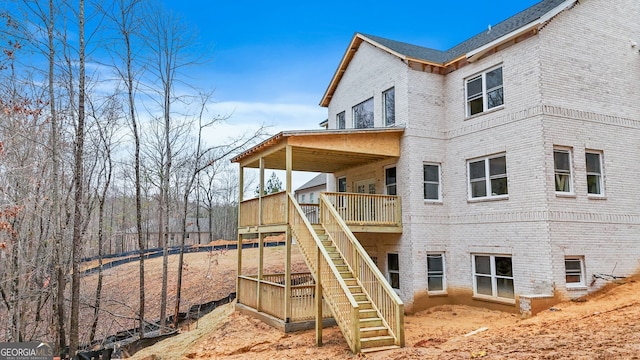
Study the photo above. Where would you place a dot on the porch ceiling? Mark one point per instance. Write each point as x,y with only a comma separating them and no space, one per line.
325,151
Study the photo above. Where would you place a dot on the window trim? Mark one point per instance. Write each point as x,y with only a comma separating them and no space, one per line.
443,275
487,179
485,91
373,120
573,285
569,152
384,106
600,175
394,271
425,182
338,183
494,277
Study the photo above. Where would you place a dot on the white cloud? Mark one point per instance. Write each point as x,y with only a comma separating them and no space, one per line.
246,117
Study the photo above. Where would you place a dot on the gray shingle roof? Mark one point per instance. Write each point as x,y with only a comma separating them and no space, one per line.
513,23
320,179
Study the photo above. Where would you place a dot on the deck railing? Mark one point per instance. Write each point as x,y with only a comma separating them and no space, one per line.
382,295
366,209
272,286
273,210
335,291
312,212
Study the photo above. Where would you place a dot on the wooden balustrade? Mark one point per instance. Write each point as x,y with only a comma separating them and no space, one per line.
312,212
335,291
272,287
366,209
273,210
382,295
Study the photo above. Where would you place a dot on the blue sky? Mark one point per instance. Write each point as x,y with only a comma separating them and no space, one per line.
272,61
277,53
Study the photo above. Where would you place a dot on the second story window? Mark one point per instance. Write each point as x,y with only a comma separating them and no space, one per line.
363,115
562,170
340,122
484,92
594,173
431,180
488,177
389,99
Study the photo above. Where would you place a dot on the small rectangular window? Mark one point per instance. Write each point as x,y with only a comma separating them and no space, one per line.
393,268
363,115
435,273
431,178
563,170
389,98
390,181
311,198
594,173
340,121
488,177
574,271
485,91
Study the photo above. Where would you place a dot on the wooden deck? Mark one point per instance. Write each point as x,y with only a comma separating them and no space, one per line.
361,212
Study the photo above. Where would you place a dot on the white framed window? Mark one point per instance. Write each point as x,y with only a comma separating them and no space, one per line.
488,177
563,170
574,271
431,179
340,121
484,91
436,282
311,198
595,184
363,115
390,181
393,270
389,101
302,200
493,277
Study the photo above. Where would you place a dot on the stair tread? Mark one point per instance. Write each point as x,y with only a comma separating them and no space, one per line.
380,348
376,338
373,328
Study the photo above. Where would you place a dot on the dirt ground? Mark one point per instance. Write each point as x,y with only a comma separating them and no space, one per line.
207,276
605,325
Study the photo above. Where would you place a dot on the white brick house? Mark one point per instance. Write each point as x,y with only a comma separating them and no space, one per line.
517,155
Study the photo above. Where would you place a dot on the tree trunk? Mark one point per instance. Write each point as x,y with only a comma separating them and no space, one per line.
78,178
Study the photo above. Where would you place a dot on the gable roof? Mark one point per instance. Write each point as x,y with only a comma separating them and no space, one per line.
318,180
475,46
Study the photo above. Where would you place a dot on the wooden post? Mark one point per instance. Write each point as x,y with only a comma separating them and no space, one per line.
318,299
239,250
260,270
287,277
261,191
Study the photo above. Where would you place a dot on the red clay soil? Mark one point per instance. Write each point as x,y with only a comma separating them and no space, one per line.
605,325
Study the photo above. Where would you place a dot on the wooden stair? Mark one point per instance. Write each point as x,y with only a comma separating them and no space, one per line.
374,333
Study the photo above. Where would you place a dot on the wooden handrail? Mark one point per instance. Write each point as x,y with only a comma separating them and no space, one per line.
345,314
378,289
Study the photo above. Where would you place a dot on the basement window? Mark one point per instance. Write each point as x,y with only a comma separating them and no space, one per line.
393,269
574,271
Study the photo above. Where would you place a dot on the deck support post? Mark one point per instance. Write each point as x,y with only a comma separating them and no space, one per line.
287,277
318,298
260,269
239,246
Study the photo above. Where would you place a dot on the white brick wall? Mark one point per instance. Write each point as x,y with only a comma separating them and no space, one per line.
581,61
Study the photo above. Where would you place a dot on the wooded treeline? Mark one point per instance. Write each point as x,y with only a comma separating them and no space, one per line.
101,136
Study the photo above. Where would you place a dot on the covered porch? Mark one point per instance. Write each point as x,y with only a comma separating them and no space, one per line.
288,300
